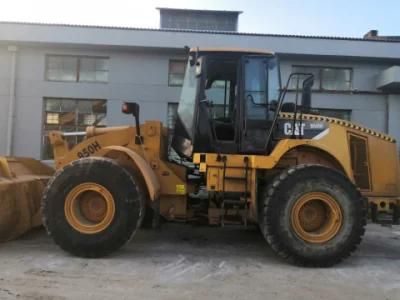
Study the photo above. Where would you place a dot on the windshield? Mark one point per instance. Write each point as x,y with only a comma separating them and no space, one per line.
186,106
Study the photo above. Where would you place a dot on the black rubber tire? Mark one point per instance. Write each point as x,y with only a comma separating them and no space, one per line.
278,198
128,199
147,216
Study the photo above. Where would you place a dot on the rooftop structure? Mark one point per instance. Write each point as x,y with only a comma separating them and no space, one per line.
215,20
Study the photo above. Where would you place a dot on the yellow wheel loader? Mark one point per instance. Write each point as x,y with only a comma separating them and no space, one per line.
242,153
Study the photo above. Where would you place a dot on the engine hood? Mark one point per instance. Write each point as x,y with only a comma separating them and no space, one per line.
313,126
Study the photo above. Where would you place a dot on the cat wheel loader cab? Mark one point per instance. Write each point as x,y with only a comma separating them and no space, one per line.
228,102
306,180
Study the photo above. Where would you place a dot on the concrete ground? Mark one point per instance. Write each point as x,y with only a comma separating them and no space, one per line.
185,262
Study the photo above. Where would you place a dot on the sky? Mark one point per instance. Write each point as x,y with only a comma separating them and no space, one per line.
350,18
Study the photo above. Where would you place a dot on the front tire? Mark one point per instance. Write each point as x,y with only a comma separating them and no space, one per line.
92,207
312,216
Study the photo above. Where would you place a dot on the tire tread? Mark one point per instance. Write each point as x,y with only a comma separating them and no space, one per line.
268,208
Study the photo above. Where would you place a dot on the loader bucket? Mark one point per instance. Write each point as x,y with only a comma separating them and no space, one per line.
22,182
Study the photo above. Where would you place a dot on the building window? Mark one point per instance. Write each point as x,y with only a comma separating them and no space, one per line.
336,79
62,68
93,69
70,115
344,114
176,72
172,113
325,78
76,68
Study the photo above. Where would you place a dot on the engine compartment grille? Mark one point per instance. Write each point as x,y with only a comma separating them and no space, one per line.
360,161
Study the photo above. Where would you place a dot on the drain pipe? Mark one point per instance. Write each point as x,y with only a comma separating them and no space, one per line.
11,104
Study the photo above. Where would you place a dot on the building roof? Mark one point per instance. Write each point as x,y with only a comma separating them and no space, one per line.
239,50
373,35
103,36
387,39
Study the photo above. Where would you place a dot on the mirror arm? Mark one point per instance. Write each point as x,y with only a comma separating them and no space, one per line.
138,137
134,109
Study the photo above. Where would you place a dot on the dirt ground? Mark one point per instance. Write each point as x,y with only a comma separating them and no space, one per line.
186,262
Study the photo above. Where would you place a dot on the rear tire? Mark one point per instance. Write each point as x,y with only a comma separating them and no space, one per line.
79,222
312,216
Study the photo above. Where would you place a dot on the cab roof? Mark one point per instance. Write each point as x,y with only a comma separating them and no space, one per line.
233,50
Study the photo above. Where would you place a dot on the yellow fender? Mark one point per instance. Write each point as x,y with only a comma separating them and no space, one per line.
150,178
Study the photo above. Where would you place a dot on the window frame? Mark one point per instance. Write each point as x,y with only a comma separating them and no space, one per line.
170,104
227,101
60,55
92,57
169,73
321,77
78,68
44,131
170,129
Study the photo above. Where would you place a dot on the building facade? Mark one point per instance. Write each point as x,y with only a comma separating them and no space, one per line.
66,77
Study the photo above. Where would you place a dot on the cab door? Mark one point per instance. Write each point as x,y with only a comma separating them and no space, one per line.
256,118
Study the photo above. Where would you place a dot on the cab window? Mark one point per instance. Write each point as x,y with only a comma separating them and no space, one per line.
219,97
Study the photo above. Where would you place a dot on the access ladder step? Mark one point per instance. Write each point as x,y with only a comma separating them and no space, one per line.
235,201
386,219
239,178
236,195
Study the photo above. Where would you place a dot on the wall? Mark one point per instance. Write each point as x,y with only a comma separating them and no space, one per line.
393,116
133,76
5,67
200,20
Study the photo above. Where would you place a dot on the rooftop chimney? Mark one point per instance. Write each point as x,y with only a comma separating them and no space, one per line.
370,35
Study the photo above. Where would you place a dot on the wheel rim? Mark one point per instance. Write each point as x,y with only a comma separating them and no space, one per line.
316,217
89,208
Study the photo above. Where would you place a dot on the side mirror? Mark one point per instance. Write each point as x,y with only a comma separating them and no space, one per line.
306,95
131,108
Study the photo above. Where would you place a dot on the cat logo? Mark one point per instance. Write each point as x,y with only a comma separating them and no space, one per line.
298,130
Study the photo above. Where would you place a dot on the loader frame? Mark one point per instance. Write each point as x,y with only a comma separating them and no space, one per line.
167,182
306,180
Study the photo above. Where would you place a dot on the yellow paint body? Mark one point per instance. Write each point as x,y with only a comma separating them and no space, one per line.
167,183
381,152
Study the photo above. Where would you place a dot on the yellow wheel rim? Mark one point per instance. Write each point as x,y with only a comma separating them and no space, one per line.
89,208
316,217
